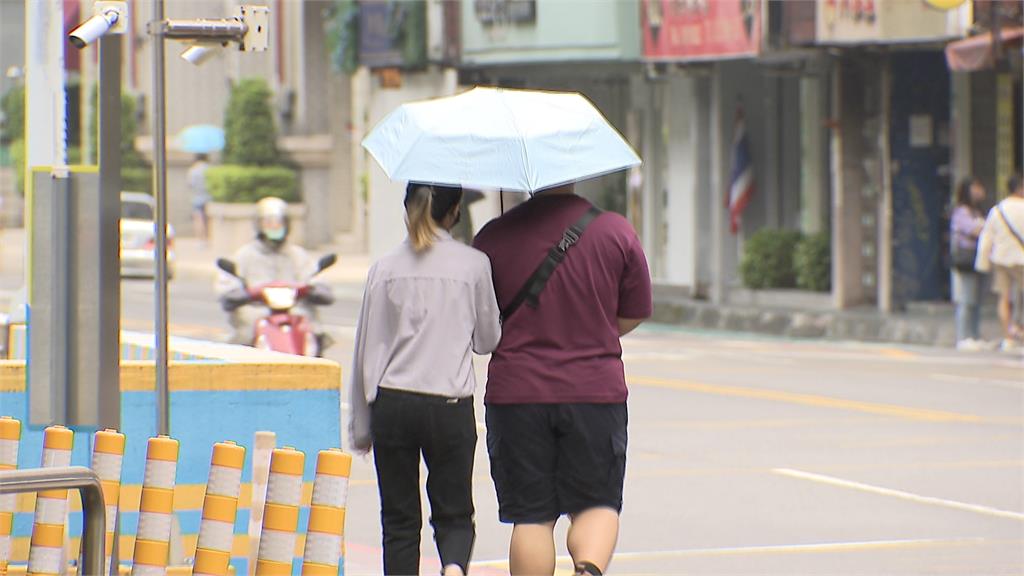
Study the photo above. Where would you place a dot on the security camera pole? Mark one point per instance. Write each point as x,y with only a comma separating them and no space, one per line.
249,31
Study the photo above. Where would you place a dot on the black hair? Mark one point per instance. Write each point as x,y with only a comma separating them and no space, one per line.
963,191
424,199
1014,183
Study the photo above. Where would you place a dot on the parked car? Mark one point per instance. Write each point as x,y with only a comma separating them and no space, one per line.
138,242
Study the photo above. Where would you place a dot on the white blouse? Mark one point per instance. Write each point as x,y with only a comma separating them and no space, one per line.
423,316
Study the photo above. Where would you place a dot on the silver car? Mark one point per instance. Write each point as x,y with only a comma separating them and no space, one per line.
138,242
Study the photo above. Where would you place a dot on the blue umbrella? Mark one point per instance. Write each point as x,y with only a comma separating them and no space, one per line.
201,139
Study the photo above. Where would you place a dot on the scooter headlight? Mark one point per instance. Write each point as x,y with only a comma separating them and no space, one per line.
280,298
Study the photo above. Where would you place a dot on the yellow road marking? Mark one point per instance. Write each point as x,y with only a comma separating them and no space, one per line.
896,353
892,410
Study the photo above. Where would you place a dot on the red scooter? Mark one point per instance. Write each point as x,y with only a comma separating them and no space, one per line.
281,330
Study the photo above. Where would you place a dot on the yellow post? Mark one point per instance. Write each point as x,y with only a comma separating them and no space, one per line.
10,436
281,513
217,530
156,508
107,460
47,547
326,534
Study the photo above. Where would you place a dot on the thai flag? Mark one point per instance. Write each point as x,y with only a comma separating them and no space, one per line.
741,182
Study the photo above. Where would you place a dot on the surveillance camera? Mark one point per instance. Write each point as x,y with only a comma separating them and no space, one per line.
198,54
92,29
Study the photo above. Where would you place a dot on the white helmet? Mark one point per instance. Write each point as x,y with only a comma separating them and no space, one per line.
272,219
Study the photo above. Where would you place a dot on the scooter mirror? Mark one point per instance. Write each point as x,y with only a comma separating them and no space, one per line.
227,266
327,261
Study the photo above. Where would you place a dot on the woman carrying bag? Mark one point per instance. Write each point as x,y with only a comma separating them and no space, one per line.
965,227
427,307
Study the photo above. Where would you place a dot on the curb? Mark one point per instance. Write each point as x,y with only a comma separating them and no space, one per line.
926,330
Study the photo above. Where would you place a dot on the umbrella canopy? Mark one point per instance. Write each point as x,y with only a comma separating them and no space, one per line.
201,139
493,138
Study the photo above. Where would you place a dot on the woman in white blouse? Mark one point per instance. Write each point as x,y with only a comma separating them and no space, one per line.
427,307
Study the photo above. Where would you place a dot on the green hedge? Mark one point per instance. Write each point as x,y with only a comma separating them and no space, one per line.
18,156
241,184
135,179
768,259
813,263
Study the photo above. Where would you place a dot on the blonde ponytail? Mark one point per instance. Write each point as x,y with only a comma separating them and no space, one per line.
418,219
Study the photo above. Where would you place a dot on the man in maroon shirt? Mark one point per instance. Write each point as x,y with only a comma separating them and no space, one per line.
556,389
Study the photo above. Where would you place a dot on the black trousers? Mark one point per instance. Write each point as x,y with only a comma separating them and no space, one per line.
443,430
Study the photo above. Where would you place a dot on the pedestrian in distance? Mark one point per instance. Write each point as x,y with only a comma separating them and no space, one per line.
196,178
966,224
428,305
571,280
1001,249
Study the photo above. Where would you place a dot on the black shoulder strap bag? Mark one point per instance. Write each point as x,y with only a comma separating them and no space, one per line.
530,292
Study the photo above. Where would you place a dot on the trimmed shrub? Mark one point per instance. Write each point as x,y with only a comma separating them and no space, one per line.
135,179
13,107
813,263
18,158
249,132
240,184
768,259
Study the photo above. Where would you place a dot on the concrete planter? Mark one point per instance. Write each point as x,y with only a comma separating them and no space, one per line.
781,298
232,225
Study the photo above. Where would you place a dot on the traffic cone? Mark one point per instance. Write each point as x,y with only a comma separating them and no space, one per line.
156,509
10,436
281,513
326,533
217,530
46,550
107,461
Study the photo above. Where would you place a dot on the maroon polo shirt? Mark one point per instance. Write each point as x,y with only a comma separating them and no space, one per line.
567,349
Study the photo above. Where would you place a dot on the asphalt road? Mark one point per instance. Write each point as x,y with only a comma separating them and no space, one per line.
763,456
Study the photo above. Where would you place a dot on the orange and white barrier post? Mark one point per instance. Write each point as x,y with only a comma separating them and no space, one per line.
326,533
156,508
10,436
281,513
263,446
107,461
46,551
217,530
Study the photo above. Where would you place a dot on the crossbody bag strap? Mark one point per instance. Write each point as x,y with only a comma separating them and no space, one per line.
534,285
1013,230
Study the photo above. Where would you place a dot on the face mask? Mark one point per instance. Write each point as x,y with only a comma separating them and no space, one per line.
276,234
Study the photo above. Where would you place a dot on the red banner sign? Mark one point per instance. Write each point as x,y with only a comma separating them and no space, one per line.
700,29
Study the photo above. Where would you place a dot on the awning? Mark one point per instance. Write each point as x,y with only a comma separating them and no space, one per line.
975,53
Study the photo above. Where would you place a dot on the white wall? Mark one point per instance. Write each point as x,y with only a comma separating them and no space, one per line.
386,214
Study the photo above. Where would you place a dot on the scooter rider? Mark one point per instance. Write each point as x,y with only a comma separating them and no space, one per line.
269,258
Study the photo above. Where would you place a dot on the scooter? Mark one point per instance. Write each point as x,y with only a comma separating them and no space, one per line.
281,330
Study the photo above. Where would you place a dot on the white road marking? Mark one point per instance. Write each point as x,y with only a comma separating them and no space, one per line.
909,496
770,549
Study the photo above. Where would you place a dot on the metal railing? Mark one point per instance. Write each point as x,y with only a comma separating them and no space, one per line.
94,511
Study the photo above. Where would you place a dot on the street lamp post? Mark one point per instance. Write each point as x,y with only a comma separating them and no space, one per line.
249,30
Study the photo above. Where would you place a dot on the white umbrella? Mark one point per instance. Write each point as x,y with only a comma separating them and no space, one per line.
490,138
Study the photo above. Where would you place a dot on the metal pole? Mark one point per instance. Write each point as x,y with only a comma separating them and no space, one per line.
160,181
94,521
